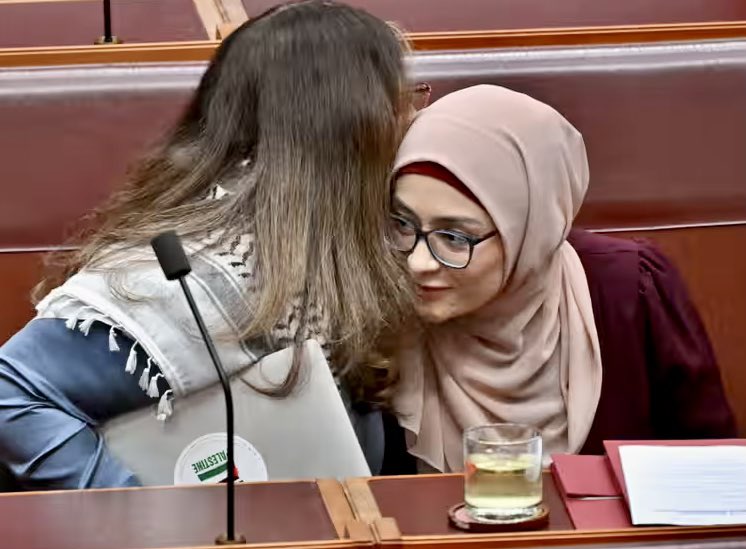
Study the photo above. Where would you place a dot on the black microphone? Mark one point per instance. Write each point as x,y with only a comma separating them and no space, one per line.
107,38
175,265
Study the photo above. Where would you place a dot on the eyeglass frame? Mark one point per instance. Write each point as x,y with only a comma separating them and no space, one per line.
420,95
419,234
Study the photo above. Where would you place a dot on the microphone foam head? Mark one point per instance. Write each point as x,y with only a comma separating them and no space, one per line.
170,253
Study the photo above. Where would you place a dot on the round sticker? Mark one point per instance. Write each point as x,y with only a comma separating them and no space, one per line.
205,461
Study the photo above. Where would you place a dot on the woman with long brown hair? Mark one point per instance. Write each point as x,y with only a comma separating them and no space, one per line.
276,178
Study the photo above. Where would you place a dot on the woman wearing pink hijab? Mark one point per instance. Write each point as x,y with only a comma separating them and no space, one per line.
524,320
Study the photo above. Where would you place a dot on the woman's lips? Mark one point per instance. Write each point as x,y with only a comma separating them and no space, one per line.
426,291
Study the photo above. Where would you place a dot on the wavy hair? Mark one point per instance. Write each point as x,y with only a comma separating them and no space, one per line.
311,95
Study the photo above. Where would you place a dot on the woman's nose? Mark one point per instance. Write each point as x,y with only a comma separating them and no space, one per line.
421,260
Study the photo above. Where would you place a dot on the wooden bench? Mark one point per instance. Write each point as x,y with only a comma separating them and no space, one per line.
203,50
80,22
450,15
35,23
665,126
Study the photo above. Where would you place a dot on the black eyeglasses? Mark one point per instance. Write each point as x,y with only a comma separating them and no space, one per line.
450,248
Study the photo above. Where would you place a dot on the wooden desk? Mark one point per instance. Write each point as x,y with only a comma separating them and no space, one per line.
413,511
277,514
381,512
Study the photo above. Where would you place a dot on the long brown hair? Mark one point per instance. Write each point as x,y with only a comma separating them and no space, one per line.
310,94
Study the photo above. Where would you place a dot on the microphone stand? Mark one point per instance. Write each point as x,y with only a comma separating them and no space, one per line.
230,537
175,265
107,38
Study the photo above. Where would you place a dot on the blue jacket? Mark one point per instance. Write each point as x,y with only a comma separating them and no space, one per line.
57,385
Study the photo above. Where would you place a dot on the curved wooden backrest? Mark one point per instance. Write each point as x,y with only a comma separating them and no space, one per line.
32,23
665,127
203,50
80,22
475,15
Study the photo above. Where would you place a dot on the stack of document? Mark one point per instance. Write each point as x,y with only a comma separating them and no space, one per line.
685,485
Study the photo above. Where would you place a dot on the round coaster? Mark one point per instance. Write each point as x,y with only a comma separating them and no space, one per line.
459,518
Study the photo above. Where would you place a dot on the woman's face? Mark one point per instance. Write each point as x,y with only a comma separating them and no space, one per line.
445,293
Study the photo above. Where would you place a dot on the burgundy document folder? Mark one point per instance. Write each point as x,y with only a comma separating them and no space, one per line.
591,496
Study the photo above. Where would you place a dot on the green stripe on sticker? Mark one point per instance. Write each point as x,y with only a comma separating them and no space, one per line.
212,472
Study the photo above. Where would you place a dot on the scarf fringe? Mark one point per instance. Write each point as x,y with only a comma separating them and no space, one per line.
113,345
153,386
145,376
165,408
131,365
72,322
83,322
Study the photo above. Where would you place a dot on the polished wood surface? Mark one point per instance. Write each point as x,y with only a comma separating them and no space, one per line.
447,15
333,494
281,514
121,53
413,511
176,20
420,504
67,143
425,41
576,36
19,273
325,514
78,22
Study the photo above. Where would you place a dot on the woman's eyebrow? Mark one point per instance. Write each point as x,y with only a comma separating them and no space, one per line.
402,207
449,221
466,222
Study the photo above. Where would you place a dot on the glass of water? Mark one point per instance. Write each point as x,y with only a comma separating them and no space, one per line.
502,472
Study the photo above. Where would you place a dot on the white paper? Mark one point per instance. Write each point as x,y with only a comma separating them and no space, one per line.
685,485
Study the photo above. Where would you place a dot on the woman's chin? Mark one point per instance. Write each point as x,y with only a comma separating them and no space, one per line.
431,313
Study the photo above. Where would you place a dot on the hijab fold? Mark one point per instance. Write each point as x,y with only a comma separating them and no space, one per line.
531,355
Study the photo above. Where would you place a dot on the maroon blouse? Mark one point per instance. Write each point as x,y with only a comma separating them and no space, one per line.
660,376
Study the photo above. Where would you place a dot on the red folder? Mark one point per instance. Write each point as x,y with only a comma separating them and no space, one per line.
592,498
612,452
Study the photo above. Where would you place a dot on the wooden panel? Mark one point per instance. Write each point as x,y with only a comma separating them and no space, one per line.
288,514
233,11
459,40
662,123
712,261
417,508
19,273
81,22
106,54
566,36
574,36
421,507
446,15
87,135
332,492
210,15
668,153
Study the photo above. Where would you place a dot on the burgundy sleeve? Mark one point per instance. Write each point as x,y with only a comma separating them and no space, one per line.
687,396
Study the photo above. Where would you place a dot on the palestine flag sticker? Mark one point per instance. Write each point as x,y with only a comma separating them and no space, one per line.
205,461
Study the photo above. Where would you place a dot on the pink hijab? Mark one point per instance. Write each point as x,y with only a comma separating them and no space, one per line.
531,355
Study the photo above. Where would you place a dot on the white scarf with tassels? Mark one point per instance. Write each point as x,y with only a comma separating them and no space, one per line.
132,296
